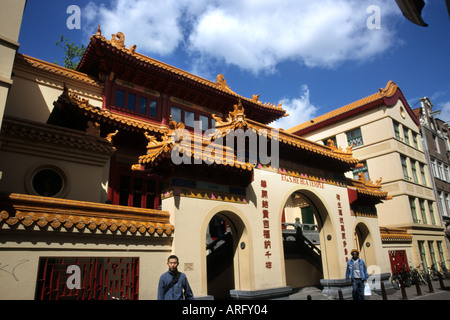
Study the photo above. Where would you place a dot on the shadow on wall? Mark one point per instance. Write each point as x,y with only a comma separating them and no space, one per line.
26,101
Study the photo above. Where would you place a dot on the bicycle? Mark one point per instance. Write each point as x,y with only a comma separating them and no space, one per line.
444,270
395,279
417,276
433,272
406,276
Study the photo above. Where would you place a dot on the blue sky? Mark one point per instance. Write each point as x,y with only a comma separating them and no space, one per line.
314,56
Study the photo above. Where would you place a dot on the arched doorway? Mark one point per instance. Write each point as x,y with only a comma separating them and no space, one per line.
364,243
308,240
227,255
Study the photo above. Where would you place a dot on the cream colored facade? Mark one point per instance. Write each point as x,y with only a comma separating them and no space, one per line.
251,273
258,270
397,156
11,12
28,145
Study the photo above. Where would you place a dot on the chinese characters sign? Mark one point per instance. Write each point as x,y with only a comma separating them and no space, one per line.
266,223
342,225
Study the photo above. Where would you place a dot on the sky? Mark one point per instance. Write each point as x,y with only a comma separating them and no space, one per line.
313,56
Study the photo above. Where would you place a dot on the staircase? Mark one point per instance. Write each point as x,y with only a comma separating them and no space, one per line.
220,256
298,245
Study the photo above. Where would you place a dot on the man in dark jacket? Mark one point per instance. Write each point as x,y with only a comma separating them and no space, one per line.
173,285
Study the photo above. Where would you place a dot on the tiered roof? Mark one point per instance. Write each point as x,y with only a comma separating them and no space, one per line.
101,53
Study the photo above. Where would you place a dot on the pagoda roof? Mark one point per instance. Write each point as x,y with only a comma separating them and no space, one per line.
369,188
237,120
190,145
387,96
194,147
94,62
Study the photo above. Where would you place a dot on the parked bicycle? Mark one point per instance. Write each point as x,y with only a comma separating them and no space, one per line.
445,272
395,279
417,276
406,276
398,278
433,272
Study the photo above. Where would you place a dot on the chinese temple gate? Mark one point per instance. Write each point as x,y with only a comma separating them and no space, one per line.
254,212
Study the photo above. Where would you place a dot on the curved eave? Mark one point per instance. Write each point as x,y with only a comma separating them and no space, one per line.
387,96
291,140
19,210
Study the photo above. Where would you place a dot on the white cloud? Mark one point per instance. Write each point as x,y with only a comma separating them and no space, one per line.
299,109
254,35
151,25
445,111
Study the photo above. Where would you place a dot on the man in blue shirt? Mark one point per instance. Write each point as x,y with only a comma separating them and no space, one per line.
357,274
173,283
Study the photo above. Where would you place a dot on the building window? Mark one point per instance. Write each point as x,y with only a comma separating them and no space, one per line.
204,121
432,253
191,118
431,210
397,130
325,141
436,144
131,102
176,114
405,168
441,253
422,211
416,144
434,167
423,255
422,173
447,173
406,135
364,170
412,204
441,171
48,182
355,137
120,98
136,102
414,172
441,201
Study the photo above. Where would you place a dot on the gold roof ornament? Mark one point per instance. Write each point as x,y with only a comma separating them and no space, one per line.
118,40
223,83
338,150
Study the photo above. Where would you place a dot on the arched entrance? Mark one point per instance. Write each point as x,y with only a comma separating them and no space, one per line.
308,240
227,255
365,244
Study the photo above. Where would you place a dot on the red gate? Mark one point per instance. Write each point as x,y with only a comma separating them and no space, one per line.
67,278
399,261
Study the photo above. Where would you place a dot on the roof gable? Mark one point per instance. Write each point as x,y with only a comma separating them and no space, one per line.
387,96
